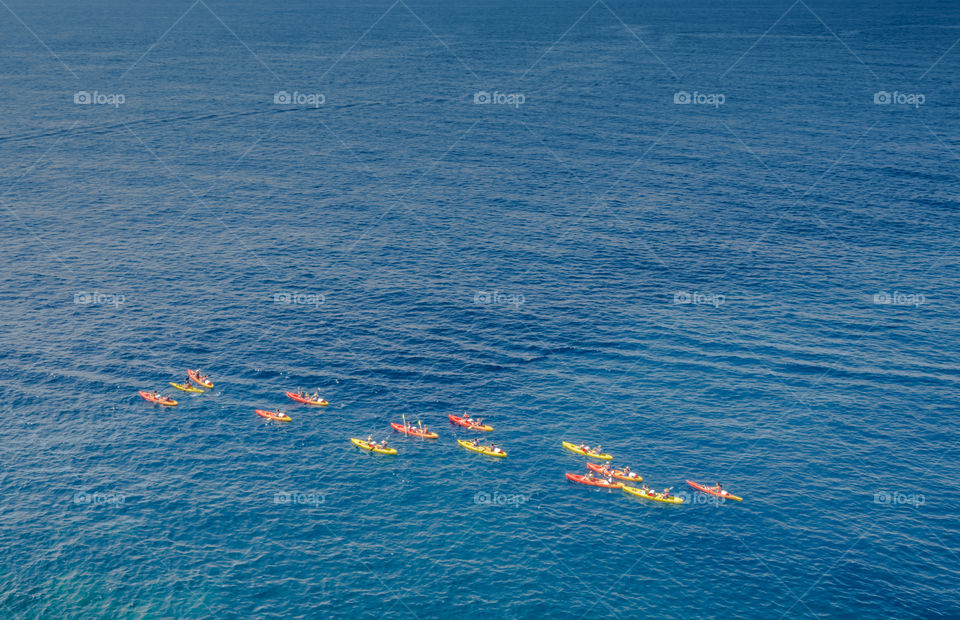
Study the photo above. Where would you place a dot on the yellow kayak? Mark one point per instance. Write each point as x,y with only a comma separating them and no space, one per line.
362,444
575,448
673,499
482,450
190,389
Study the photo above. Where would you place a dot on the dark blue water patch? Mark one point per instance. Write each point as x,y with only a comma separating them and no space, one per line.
400,200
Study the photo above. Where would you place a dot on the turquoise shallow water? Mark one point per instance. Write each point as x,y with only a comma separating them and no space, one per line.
760,292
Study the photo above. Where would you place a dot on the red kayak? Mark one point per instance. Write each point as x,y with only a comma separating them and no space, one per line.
413,430
596,482
207,383
471,425
169,402
273,415
304,399
712,491
615,473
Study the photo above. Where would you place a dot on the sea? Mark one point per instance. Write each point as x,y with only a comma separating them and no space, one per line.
719,239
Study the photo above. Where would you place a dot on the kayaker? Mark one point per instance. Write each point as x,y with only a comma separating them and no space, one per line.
718,489
478,422
598,449
370,439
476,442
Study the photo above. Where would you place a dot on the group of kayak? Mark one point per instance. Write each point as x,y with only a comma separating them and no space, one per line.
598,475
423,432
301,397
608,477
165,399
196,381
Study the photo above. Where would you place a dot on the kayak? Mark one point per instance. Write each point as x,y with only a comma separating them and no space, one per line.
183,387
207,383
704,489
362,444
273,415
576,448
169,402
616,473
305,400
596,482
482,450
470,425
673,499
412,430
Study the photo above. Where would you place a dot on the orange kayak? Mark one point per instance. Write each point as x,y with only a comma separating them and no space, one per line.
470,425
273,415
596,482
413,430
169,402
615,473
305,400
207,383
712,491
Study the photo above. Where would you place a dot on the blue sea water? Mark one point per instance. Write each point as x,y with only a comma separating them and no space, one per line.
761,291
